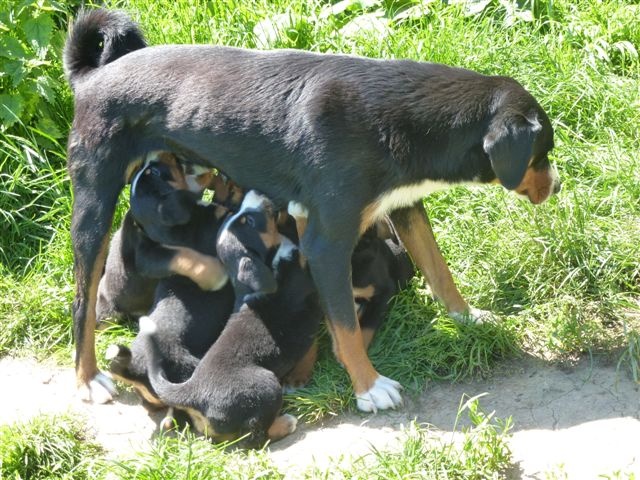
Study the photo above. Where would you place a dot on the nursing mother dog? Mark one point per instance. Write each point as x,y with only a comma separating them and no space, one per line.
348,139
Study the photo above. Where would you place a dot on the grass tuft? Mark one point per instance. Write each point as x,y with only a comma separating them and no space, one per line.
477,452
191,457
46,447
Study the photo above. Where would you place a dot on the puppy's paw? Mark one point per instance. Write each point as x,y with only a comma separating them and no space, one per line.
115,351
168,422
384,394
282,426
210,274
99,390
474,316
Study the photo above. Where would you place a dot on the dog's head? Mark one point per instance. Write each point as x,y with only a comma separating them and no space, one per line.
518,141
247,243
162,194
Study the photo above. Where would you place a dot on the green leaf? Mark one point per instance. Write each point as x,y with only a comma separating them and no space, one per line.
45,86
48,126
11,47
10,108
15,69
38,31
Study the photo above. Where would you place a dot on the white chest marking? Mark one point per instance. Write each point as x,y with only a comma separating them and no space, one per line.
407,196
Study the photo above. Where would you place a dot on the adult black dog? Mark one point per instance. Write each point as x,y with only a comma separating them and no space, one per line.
348,138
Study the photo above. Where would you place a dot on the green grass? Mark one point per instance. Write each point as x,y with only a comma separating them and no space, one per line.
58,447
46,447
563,278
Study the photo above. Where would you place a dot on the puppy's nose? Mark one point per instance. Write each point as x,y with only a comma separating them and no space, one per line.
557,186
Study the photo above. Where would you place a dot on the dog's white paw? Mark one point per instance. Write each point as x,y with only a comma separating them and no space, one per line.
113,351
167,423
473,316
147,325
297,209
384,394
291,421
282,426
99,390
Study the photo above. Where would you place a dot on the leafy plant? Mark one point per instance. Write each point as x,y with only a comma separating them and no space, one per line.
31,39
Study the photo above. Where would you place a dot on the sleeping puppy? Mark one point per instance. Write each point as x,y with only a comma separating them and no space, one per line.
235,390
188,318
135,263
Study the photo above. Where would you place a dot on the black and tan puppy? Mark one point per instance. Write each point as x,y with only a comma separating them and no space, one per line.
349,138
236,388
188,319
135,263
381,268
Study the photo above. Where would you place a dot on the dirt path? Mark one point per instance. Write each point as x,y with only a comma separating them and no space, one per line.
581,422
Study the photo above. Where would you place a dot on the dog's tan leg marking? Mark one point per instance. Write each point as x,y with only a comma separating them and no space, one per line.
373,391
416,234
301,373
348,347
205,270
87,366
281,427
301,225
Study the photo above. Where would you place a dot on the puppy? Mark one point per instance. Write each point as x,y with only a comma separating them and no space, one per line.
381,268
235,389
135,262
188,319
351,139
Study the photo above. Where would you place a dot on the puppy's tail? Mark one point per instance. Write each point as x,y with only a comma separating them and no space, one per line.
97,38
173,394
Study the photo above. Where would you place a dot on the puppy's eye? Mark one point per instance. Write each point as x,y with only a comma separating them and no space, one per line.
250,221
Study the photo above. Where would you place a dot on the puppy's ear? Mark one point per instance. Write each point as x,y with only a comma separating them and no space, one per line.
256,275
176,208
509,144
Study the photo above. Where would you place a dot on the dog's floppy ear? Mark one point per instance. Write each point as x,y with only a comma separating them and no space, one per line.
256,275
509,144
176,208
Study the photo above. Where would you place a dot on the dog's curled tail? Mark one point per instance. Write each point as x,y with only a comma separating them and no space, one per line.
172,394
98,37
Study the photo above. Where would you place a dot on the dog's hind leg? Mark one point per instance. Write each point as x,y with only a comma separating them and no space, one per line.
330,262
414,229
96,185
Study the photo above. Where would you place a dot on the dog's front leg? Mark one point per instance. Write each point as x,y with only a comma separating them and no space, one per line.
414,229
330,263
94,203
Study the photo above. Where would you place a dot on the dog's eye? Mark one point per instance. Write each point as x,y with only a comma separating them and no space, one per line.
250,221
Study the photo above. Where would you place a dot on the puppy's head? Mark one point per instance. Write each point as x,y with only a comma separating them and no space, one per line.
518,141
160,194
246,244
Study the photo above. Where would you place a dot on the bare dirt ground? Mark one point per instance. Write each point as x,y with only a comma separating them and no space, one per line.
577,422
